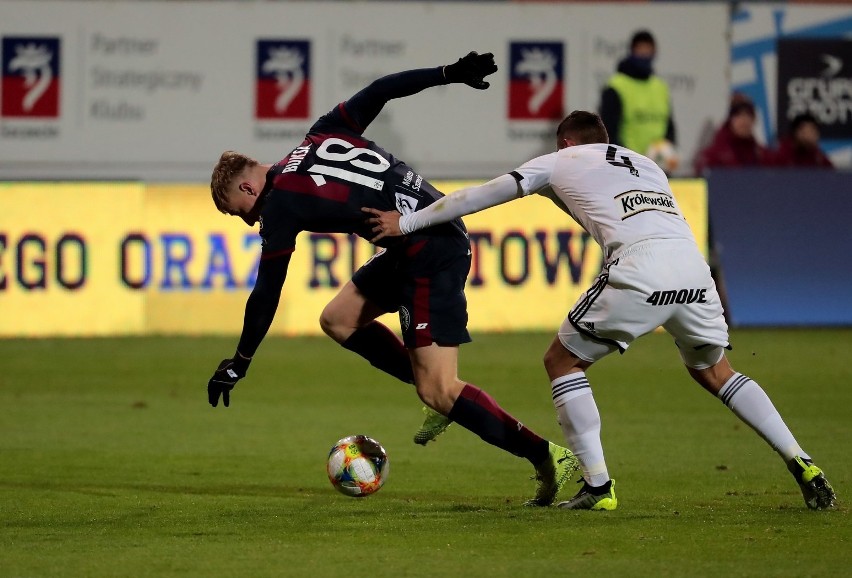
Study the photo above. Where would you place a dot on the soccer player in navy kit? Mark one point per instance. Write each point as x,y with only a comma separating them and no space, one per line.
320,187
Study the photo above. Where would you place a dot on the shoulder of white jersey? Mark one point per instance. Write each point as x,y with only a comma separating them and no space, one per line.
535,174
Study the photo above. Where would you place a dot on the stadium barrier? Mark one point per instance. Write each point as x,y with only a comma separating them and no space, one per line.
135,259
782,237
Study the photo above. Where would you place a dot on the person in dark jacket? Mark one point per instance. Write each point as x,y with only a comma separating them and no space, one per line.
800,146
734,144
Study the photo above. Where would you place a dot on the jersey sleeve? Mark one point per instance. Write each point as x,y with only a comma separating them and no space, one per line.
263,303
464,202
278,231
362,108
534,176
334,120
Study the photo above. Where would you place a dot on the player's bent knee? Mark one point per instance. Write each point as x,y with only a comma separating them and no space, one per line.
554,360
326,321
713,376
558,360
334,325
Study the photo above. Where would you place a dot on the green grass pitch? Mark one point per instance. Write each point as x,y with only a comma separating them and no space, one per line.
113,464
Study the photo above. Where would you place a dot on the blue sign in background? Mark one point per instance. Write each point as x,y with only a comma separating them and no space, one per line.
785,244
758,54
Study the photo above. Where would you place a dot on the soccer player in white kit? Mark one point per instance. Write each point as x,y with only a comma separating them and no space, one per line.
654,275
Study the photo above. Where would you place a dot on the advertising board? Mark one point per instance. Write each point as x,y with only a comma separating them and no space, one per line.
128,259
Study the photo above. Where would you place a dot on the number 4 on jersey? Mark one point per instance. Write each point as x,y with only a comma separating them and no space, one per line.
625,161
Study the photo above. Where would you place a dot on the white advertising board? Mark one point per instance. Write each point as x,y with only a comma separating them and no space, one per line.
156,90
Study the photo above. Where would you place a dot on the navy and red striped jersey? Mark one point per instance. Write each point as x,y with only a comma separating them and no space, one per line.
323,183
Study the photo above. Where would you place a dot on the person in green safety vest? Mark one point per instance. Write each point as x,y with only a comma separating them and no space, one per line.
636,106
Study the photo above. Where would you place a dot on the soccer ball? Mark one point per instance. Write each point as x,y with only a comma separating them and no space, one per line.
664,154
357,466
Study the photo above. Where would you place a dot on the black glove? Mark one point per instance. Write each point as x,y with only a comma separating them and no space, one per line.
229,372
471,70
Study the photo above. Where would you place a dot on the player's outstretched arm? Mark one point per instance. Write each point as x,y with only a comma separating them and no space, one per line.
463,202
260,311
471,69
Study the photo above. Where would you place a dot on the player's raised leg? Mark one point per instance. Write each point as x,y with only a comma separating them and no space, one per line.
350,319
435,370
749,402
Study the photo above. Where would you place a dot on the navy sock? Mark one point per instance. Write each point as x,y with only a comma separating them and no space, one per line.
477,411
383,349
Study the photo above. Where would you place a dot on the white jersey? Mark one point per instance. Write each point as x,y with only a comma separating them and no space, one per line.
619,196
654,274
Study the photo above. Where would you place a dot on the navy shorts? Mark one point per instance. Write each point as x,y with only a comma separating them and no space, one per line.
423,279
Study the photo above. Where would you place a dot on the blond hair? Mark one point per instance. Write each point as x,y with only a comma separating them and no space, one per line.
230,166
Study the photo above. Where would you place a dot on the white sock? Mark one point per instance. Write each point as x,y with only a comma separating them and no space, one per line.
581,424
751,404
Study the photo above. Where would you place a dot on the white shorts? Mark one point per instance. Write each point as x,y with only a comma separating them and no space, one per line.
651,284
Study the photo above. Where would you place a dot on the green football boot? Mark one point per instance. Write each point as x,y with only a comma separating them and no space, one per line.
552,475
818,493
586,500
434,425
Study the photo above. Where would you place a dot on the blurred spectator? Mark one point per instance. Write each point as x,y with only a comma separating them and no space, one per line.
800,146
734,144
635,104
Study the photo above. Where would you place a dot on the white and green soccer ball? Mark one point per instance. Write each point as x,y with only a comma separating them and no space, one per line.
357,466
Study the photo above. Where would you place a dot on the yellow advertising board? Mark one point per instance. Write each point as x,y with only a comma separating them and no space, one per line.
89,259
59,260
